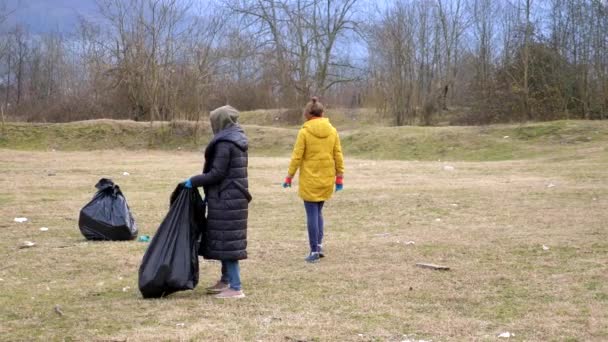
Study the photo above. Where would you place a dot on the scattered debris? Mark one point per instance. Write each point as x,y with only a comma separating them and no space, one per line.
179,147
20,219
506,335
594,198
144,238
58,310
545,248
448,168
295,339
125,173
506,137
455,205
126,288
551,185
43,229
409,242
268,320
1,279
437,220
50,174
27,244
180,325
432,266
382,234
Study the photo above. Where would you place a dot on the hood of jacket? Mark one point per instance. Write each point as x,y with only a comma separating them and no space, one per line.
222,118
320,128
234,134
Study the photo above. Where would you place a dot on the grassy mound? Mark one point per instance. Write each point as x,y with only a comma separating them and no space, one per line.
486,143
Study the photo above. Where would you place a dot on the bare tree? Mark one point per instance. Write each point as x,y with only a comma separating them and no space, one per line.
302,35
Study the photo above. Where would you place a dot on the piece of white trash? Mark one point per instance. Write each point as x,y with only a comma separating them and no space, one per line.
551,185
506,137
27,244
20,219
545,247
448,168
410,243
125,289
437,220
125,173
506,334
43,229
180,325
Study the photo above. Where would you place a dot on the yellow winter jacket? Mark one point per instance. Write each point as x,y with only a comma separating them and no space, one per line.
318,155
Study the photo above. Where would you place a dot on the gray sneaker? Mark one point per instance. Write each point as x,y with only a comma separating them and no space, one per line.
217,288
313,257
321,255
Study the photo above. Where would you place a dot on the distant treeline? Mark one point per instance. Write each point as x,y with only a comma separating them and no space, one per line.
412,60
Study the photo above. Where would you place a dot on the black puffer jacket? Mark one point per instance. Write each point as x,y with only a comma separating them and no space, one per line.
224,179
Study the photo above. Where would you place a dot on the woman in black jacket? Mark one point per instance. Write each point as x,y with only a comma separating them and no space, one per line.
224,180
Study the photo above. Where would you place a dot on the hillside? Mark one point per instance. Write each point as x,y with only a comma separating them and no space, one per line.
485,143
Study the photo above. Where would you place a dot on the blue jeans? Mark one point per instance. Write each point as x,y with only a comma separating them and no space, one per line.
314,221
231,274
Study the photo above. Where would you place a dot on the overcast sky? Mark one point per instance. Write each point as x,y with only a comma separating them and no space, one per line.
45,15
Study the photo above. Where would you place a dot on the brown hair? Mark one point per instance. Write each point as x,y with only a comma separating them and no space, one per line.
314,107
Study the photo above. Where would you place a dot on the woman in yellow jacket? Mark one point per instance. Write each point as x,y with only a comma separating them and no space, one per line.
318,155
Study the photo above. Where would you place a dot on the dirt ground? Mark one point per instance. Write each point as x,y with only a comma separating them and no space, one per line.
526,241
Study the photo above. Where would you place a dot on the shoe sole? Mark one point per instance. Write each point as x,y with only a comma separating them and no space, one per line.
213,291
242,295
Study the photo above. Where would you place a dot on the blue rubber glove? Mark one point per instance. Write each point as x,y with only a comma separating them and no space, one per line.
187,184
339,187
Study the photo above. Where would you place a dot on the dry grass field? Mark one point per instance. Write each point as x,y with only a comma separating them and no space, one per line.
487,221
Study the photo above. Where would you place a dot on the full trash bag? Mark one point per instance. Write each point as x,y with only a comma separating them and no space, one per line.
107,215
171,262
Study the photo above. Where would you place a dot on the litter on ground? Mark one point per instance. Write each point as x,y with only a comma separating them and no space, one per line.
432,266
27,244
20,219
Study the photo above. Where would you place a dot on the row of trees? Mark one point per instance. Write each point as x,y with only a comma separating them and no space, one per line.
412,60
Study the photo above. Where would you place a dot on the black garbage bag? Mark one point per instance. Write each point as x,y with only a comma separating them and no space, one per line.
107,215
171,262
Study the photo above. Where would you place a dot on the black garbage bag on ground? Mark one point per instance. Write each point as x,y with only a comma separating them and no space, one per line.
107,215
171,262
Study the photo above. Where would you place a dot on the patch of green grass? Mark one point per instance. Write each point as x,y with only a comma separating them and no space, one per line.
491,143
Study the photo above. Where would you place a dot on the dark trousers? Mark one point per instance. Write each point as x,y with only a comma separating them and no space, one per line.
314,221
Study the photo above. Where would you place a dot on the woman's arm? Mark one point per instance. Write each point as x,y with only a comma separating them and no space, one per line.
219,168
297,154
338,157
